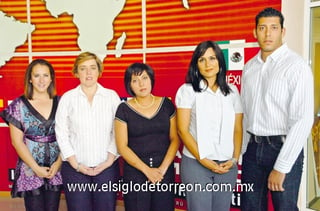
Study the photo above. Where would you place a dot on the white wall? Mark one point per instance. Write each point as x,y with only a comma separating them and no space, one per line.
293,11
297,37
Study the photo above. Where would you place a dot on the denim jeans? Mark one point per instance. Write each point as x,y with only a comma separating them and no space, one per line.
90,200
258,162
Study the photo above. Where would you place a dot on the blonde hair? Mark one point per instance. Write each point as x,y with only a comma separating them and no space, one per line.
82,57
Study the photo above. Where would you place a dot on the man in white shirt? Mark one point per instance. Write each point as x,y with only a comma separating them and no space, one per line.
277,95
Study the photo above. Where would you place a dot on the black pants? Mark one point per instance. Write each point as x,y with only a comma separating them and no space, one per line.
46,201
150,200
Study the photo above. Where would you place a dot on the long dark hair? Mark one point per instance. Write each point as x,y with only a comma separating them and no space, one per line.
194,76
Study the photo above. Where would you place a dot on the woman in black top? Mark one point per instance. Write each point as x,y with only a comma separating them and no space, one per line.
146,138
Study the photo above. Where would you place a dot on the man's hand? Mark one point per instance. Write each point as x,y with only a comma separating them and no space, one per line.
275,180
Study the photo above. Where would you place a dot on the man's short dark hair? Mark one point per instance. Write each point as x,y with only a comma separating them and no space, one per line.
270,12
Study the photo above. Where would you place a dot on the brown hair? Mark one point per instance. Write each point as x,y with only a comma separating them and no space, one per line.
28,87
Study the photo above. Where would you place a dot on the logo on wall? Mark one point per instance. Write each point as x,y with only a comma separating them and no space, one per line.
236,57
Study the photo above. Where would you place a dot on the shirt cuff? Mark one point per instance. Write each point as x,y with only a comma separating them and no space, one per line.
283,166
66,153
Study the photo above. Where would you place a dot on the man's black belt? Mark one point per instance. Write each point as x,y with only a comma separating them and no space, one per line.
269,139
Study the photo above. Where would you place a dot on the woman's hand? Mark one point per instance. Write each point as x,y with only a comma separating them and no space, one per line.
213,166
101,167
154,175
227,165
86,170
54,168
104,165
42,171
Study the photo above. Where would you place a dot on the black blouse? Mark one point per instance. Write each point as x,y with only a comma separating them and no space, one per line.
148,137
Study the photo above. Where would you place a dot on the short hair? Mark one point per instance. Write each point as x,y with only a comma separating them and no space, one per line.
270,12
84,56
194,76
28,87
137,69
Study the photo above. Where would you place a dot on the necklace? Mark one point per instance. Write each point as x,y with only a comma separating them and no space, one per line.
147,106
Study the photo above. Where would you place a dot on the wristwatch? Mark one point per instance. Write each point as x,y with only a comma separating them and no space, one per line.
234,161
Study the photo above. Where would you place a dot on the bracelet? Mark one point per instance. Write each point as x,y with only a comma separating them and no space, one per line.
78,167
234,161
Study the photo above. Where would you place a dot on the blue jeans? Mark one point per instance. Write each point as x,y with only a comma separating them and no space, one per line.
258,162
90,200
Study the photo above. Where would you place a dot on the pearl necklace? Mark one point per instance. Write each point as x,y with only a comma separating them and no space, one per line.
147,106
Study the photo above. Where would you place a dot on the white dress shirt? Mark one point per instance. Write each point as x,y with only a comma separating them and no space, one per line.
277,97
86,130
212,120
